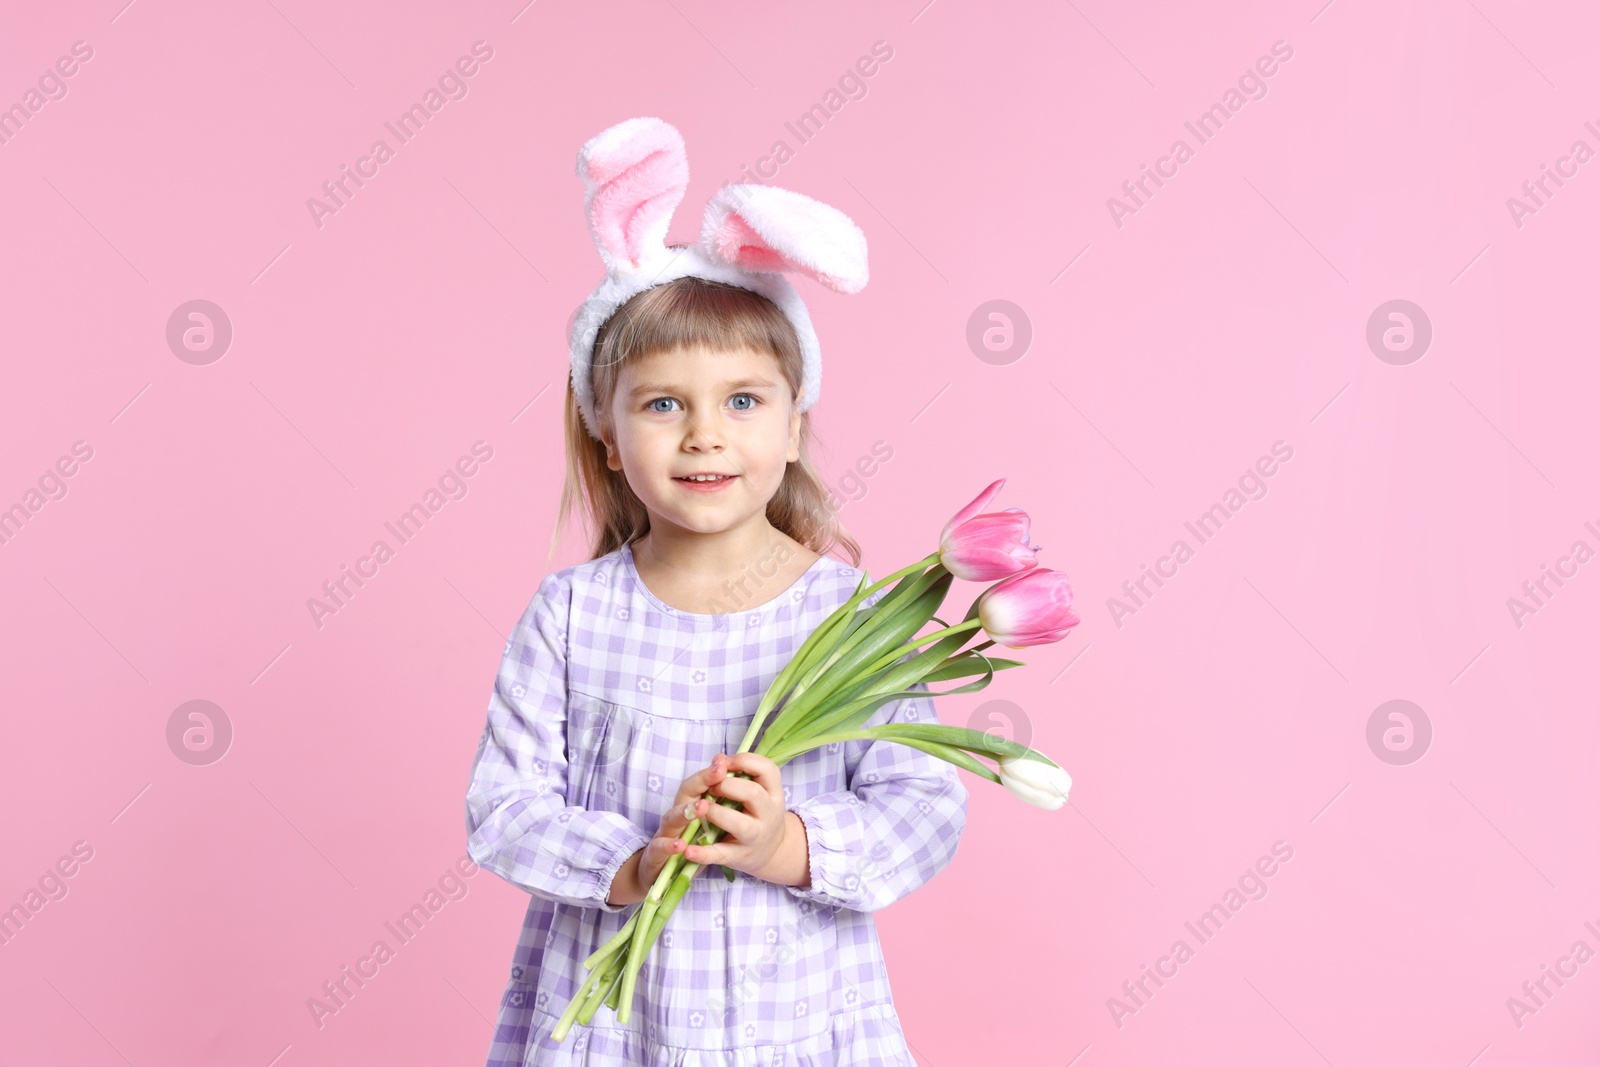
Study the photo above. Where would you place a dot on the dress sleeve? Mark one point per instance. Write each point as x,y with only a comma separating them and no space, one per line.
519,823
893,828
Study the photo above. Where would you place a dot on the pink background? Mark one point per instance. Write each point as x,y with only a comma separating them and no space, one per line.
1227,314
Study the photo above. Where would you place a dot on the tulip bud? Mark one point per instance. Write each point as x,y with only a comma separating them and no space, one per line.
984,547
1030,608
1041,784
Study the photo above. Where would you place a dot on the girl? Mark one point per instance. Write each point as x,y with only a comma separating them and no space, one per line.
631,678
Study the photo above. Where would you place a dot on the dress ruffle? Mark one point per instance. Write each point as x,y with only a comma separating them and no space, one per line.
866,1037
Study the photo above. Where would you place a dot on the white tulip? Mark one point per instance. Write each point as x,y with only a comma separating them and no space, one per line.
1041,784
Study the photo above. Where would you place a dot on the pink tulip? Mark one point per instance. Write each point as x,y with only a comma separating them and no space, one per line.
982,548
1031,608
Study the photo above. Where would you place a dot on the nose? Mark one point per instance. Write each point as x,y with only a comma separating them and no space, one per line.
703,434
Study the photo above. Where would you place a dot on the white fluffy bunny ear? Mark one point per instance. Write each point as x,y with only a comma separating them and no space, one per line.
763,228
635,174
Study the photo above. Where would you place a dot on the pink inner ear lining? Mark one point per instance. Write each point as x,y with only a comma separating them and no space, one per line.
605,168
642,216
735,241
738,243
733,236
619,220
758,257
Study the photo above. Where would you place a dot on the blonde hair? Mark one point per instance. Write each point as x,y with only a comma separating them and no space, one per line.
689,312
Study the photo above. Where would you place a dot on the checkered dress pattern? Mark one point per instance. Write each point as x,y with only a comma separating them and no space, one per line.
605,701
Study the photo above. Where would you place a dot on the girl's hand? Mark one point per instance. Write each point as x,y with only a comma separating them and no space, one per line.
666,844
754,834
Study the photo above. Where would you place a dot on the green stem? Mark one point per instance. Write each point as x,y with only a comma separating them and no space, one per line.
847,663
575,1005
647,926
676,860
852,704
951,754
603,990
640,940
615,997
922,585
635,961
636,950
798,665
849,695
792,670
912,646
668,869
806,744
618,939
921,564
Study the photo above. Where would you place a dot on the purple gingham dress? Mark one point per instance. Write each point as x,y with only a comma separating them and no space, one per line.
606,700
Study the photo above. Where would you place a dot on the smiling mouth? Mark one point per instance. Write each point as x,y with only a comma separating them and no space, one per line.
708,486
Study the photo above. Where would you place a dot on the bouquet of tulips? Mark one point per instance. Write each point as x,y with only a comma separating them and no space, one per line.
853,664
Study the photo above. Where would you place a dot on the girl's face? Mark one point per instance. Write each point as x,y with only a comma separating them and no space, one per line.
703,410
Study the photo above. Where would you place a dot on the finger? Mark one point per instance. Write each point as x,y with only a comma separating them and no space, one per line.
705,855
697,783
656,854
666,847
672,820
680,812
761,769
677,819
747,791
741,826
693,809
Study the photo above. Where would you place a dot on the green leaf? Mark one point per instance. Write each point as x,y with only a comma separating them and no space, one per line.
900,589
859,619
969,662
845,717
827,643
950,754
816,646
886,622
960,737
891,634
850,710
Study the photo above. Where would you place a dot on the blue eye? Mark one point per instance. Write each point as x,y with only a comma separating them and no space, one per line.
651,406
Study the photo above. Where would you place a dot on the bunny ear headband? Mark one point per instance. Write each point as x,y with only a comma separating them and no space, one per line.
635,173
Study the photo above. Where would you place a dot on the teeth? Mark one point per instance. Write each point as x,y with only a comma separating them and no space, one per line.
704,478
